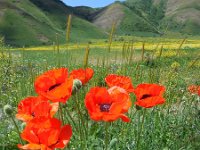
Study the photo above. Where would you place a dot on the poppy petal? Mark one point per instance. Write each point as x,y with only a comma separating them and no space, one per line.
54,85
110,117
61,93
151,89
121,81
107,105
29,135
41,109
54,108
49,136
97,116
64,137
150,102
125,118
29,146
83,75
24,117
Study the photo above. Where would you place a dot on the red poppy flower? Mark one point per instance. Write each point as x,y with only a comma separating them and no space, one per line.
45,133
121,81
54,85
108,105
32,107
149,95
83,75
194,89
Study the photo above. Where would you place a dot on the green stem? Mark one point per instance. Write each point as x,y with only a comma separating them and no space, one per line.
106,135
61,113
69,115
17,129
141,128
80,114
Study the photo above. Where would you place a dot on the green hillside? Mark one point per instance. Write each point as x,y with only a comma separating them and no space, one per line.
128,21
21,28
132,23
183,16
36,22
85,12
24,23
169,15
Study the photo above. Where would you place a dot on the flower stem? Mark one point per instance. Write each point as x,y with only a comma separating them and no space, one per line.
69,115
61,113
141,128
80,114
15,124
106,135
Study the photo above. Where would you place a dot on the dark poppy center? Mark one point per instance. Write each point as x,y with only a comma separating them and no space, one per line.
145,96
33,114
105,107
54,86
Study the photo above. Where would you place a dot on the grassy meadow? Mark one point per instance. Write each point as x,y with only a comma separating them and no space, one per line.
171,62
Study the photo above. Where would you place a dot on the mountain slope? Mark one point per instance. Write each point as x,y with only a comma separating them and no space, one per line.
127,21
19,27
81,28
157,16
173,15
35,22
185,15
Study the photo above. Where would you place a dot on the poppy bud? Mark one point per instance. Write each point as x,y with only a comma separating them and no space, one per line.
8,109
77,84
138,107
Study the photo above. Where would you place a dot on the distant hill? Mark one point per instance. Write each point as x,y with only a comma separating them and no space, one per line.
169,15
183,15
36,22
150,16
127,21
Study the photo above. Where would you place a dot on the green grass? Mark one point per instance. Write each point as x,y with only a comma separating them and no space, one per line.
174,125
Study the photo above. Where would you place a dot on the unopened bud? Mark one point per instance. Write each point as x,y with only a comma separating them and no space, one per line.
8,109
138,107
77,84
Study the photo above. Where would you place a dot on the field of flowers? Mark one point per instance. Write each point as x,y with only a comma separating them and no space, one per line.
142,94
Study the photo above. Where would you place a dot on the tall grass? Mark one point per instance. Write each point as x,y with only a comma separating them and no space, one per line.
68,29
111,35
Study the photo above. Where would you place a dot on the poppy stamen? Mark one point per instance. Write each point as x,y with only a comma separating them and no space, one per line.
54,86
105,107
33,114
145,96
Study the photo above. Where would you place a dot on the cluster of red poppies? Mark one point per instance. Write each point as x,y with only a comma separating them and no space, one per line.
194,89
111,104
45,132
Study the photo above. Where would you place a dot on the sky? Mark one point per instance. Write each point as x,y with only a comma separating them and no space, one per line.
91,3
